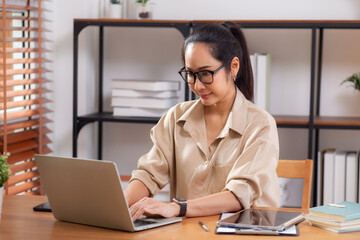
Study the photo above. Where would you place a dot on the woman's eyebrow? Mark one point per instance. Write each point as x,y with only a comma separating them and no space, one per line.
199,69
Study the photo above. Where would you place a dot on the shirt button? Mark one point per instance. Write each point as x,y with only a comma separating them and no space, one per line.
206,162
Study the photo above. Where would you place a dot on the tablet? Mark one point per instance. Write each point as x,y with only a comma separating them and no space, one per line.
262,219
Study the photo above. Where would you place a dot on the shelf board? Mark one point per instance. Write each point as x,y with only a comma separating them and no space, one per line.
337,122
109,117
292,121
281,120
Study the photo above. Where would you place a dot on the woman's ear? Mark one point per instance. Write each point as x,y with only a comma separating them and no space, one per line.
235,66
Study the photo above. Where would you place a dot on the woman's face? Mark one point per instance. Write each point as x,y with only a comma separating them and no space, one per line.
222,89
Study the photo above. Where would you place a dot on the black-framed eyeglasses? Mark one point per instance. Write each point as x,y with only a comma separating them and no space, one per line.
205,76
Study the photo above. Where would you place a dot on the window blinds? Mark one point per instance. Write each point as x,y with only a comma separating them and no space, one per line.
23,96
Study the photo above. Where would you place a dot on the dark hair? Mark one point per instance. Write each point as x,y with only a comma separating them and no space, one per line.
226,40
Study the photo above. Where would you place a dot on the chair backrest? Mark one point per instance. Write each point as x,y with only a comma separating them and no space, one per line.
298,169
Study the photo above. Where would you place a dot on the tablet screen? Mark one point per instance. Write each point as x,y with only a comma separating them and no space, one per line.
261,218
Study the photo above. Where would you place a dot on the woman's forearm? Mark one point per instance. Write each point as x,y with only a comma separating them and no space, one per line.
213,204
135,191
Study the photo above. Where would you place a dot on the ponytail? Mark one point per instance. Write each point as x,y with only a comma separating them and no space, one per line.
226,41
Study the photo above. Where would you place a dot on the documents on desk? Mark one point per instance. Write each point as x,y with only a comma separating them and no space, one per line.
259,222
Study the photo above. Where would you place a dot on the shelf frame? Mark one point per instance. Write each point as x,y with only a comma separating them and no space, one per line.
184,27
313,122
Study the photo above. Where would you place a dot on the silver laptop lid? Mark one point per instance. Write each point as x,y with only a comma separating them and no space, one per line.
85,191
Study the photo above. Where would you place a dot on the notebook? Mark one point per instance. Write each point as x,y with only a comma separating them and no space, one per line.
262,219
89,192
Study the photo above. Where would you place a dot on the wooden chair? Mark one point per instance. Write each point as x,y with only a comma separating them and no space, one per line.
298,169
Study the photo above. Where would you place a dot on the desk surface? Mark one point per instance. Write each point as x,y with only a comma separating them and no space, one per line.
18,221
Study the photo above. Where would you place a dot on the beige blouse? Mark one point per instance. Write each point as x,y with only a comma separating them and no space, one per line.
243,158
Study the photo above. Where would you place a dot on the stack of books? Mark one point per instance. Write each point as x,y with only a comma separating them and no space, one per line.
143,98
340,217
338,176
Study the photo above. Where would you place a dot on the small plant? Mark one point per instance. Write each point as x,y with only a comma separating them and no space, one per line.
4,168
115,1
143,2
355,79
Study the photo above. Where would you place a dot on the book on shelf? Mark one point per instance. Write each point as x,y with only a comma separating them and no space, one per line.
320,177
339,217
146,85
138,112
261,72
153,103
351,176
338,176
115,92
328,187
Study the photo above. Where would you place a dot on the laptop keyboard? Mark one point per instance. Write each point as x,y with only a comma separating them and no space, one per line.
140,222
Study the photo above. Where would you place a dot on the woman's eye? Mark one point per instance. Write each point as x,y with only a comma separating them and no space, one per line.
205,73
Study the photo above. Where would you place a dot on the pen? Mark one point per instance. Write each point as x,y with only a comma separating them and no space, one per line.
203,226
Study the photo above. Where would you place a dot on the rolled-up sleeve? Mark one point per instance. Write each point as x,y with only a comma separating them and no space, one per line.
153,168
253,177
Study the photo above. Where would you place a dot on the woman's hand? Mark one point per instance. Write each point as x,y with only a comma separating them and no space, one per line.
151,207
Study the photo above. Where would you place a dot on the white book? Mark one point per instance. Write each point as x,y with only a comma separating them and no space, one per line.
339,176
138,93
328,188
146,85
157,103
320,178
262,80
351,177
254,67
138,112
358,183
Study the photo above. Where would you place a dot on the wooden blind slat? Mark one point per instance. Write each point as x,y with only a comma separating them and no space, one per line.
11,83
24,50
24,39
22,167
25,92
21,146
30,123
11,72
23,7
32,192
24,103
25,29
46,141
14,179
20,136
19,157
46,150
24,187
24,60
25,18
23,114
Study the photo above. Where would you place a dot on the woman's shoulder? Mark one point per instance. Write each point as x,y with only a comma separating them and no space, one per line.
258,114
177,111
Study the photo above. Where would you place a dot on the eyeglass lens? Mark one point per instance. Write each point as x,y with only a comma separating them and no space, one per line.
204,76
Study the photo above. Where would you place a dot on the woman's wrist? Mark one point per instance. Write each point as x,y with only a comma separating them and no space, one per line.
176,208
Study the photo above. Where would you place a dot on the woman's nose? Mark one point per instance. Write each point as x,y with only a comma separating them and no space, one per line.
198,84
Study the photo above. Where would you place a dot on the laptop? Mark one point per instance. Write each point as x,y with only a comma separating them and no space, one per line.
89,192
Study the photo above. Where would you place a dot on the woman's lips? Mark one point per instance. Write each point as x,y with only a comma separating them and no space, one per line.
204,96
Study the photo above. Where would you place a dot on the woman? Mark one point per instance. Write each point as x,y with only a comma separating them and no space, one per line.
218,153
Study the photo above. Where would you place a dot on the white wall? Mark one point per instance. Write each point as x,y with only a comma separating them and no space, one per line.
154,53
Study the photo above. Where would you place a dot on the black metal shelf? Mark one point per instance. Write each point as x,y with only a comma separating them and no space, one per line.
313,122
79,122
109,117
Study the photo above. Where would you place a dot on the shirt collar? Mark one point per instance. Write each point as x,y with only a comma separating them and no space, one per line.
236,120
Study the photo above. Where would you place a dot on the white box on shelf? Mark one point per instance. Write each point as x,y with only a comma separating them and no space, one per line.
146,85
